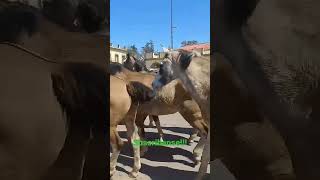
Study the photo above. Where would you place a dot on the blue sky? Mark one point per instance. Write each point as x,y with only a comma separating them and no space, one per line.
138,21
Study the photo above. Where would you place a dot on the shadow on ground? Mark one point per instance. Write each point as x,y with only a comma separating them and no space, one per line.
161,153
158,173
160,162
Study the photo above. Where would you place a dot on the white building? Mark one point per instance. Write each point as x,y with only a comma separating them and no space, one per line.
118,54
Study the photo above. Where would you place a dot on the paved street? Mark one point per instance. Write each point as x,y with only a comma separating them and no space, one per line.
166,163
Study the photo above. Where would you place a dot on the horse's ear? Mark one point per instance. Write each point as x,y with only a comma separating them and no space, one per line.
57,84
185,59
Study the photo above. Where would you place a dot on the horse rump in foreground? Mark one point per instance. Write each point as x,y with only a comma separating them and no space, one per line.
48,113
46,119
280,67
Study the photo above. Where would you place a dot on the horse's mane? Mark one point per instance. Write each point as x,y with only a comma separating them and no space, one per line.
139,92
17,18
116,68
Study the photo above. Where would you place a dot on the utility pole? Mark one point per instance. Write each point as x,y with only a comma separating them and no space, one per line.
171,28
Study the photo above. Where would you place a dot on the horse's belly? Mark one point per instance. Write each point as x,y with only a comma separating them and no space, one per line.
32,128
158,108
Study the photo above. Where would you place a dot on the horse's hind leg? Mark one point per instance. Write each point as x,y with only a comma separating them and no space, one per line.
132,131
142,134
116,144
205,158
156,120
198,150
151,120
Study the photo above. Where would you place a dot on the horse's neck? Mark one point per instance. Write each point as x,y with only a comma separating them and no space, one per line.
172,94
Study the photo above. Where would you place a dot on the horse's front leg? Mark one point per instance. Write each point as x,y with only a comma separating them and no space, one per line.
205,159
132,131
116,144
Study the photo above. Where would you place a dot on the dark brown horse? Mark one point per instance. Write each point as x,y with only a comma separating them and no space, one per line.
133,64
49,110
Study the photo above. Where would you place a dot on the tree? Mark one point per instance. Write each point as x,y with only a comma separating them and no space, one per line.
148,48
185,43
133,50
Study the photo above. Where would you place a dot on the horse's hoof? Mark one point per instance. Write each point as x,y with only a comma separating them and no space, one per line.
190,141
197,159
196,162
112,172
133,174
143,150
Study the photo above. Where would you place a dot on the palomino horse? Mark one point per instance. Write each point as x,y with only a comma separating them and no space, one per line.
55,130
135,65
120,106
195,76
274,47
173,98
125,98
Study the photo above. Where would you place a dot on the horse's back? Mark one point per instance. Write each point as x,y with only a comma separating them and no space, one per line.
31,121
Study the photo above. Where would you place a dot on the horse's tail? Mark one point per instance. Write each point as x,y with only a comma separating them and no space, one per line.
82,90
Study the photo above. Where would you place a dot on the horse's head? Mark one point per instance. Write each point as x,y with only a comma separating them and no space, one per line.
140,65
173,63
129,63
134,64
77,15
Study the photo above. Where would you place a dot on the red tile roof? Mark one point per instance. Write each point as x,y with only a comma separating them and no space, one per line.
204,46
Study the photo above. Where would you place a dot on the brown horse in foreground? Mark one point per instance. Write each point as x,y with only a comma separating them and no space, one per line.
48,111
50,136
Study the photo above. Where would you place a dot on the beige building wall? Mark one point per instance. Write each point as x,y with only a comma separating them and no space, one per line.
206,52
118,54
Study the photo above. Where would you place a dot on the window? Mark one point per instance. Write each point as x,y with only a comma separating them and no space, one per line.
116,58
123,57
